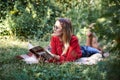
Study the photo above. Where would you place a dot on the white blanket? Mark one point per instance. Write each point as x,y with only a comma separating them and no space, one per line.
94,59
30,59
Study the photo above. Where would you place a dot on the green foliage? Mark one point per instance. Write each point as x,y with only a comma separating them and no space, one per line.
30,18
113,69
108,26
35,18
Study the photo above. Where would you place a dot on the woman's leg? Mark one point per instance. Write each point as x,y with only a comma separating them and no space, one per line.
88,51
89,35
91,40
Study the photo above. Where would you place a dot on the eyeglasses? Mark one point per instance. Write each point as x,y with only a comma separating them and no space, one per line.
56,27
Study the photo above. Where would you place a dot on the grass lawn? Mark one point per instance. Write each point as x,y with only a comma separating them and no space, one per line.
13,69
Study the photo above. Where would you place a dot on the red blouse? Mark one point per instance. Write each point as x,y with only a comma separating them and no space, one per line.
73,52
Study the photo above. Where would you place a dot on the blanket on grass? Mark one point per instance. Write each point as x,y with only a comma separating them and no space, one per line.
94,59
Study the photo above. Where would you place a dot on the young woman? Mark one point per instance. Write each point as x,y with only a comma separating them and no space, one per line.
64,44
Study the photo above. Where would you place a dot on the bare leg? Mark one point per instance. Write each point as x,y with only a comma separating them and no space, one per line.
92,42
91,39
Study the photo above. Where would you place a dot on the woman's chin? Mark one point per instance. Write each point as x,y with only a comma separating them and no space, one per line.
56,34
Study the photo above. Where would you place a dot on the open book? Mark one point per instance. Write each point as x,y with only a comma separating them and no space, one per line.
40,51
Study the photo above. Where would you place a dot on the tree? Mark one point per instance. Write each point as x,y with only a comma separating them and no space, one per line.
108,26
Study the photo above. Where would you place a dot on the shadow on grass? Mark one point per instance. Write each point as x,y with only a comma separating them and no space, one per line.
9,64
113,71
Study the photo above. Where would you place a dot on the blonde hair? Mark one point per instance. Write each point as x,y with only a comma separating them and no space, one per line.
67,31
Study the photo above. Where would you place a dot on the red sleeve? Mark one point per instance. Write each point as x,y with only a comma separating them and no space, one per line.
74,51
53,45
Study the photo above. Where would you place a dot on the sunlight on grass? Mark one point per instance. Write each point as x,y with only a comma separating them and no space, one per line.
11,42
101,20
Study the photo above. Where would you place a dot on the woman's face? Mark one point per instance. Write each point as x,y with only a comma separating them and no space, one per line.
57,29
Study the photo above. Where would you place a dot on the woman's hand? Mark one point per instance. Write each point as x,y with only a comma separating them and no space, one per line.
56,56
66,46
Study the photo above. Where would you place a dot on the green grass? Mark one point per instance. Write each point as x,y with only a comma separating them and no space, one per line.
13,69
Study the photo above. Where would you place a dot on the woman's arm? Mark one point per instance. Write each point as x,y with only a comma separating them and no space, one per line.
74,51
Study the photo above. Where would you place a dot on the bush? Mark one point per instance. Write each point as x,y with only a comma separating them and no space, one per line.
29,19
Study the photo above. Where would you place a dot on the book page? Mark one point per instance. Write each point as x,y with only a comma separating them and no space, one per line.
39,51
